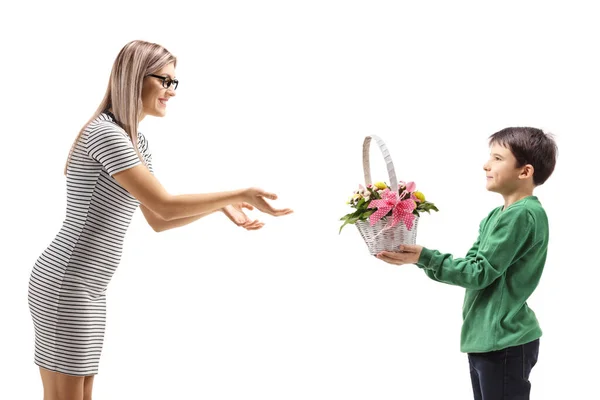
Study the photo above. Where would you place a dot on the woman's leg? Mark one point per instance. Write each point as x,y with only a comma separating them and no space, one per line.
48,383
87,387
59,386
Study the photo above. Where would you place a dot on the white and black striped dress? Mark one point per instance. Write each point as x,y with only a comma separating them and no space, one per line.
68,282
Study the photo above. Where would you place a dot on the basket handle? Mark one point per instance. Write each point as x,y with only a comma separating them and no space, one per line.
388,162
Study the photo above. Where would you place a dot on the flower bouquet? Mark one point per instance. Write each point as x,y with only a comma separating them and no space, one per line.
386,215
377,201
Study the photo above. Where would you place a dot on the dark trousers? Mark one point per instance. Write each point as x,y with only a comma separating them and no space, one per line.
503,374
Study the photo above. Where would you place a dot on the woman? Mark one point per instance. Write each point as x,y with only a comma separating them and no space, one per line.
109,173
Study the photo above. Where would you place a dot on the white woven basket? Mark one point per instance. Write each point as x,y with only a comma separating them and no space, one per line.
390,239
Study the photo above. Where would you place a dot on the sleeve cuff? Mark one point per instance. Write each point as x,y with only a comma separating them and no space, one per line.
425,258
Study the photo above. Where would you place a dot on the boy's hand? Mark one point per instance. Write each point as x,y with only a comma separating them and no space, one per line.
409,254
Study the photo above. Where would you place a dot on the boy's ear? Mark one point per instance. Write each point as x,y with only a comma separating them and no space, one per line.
526,171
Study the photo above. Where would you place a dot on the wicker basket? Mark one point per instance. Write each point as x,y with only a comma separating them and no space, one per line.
376,239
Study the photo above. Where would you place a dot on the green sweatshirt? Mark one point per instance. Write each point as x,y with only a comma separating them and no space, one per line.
499,273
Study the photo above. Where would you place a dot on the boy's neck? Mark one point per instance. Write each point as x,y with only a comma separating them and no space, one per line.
515,196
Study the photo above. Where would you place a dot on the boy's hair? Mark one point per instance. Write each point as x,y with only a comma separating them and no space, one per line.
530,146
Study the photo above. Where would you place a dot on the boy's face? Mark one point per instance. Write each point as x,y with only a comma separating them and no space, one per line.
501,170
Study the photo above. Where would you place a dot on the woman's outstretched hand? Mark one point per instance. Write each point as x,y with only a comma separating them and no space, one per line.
257,197
235,213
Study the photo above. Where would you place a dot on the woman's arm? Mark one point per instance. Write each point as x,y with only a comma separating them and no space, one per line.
159,225
144,186
113,149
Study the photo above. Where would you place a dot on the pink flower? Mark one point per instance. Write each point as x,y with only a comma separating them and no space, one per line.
408,190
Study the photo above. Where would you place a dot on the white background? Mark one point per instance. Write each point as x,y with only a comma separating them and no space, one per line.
280,95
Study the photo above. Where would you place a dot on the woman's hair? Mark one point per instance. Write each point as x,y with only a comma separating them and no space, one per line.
124,93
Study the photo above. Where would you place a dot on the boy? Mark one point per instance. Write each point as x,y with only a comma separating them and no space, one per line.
500,333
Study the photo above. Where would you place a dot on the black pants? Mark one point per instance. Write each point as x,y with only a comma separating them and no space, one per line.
503,374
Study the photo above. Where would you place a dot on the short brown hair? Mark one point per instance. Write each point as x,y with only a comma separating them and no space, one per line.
530,146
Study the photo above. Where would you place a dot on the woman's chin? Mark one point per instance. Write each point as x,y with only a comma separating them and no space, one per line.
159,112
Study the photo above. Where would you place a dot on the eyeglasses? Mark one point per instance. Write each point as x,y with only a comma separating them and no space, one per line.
166,81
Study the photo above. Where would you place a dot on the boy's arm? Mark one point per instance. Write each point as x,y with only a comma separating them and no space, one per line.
482,265
470,254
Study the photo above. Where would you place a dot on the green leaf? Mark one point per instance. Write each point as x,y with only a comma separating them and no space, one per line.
345,217
356,213
341,227
349,221
361,214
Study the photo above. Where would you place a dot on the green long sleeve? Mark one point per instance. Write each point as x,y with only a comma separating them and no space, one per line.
499,273
486,262
432,273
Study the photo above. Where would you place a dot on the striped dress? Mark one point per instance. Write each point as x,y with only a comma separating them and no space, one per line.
67,286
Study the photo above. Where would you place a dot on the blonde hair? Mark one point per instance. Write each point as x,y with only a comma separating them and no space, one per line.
124,93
